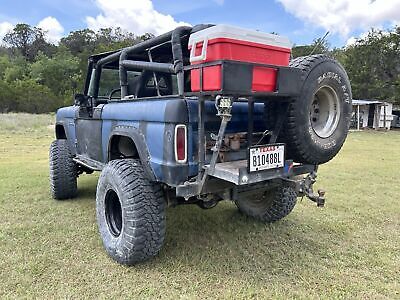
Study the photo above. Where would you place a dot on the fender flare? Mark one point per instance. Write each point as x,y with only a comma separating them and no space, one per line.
139,140
71,142
58,125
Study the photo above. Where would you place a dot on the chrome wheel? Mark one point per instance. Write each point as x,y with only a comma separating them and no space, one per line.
325,112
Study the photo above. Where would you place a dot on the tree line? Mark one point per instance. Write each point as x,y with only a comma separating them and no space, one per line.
37,76
372,63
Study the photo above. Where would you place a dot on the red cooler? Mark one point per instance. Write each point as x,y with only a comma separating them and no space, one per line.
223,42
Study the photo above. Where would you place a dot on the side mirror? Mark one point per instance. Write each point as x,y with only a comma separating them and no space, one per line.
81,100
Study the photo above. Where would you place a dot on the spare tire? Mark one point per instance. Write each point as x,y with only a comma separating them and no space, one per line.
318,120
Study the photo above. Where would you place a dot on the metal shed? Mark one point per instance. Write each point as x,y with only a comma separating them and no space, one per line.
372,114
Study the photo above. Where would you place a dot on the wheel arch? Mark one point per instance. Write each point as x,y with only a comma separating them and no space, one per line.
60,132
133,142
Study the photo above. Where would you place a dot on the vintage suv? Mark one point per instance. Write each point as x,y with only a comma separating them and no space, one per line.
198,115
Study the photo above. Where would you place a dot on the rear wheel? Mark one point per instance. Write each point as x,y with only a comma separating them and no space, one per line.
268,206
63,171
130,212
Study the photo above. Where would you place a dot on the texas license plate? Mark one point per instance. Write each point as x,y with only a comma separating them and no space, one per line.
266,157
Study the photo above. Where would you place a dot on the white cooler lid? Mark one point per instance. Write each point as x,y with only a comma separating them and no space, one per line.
237,33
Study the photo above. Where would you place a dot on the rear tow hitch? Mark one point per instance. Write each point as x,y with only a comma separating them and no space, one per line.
306,189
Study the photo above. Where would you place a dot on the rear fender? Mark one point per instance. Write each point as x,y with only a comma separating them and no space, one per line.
140,143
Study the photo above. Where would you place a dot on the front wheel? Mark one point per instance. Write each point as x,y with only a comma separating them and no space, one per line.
130,212
268,206
63,171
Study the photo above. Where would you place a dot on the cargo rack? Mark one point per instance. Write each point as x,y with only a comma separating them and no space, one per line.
236,79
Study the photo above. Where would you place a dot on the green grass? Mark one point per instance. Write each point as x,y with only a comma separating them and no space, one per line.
349,249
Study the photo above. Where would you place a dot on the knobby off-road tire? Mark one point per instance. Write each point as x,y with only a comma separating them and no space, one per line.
269,206
318,121
130,212
63,171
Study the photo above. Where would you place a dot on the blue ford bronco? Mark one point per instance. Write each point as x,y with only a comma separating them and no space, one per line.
162,134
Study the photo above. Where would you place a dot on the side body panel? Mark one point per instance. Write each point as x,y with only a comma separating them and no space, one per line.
88,136
151,124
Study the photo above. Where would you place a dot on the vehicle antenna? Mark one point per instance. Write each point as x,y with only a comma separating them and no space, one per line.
320,41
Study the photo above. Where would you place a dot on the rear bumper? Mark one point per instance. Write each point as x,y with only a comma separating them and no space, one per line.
235,173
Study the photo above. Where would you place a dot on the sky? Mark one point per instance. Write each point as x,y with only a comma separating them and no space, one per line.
300,20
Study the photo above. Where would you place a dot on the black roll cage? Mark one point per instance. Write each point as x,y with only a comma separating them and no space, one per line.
134,59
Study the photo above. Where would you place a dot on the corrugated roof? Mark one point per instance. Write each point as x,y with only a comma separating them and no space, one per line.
366,102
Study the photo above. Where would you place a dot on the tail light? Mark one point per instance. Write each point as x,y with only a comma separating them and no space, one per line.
180,142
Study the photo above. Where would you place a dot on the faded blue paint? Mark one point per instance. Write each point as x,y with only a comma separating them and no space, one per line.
105,136
150,114
148,110
66,112
239,119
155,143
150,118
66,117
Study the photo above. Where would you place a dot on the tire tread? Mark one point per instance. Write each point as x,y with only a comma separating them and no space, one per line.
63,171
283,201
297,149
144,207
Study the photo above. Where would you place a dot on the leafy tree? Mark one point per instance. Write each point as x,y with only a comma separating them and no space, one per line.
108,39
60,73
28,41
79,41
373,65
29,96
339,54
17,68
6,98
36,76
3,50
83,43
317,47
4,64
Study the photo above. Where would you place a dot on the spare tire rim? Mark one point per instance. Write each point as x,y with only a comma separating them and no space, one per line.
325,111
113,213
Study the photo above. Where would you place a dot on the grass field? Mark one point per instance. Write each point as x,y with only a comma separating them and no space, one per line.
349,249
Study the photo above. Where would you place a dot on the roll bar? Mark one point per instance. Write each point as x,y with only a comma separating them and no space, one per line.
126,64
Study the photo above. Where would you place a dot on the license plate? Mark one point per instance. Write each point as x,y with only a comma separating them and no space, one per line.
266,157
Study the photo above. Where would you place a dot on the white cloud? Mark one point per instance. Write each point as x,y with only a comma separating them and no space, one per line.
351,41
219,2
345,16
53,28
365,36
5,27
136,16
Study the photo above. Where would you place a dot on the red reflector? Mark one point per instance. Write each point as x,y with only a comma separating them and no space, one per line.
180,143
264,79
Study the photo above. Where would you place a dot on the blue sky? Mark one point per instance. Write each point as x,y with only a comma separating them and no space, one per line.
301,21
